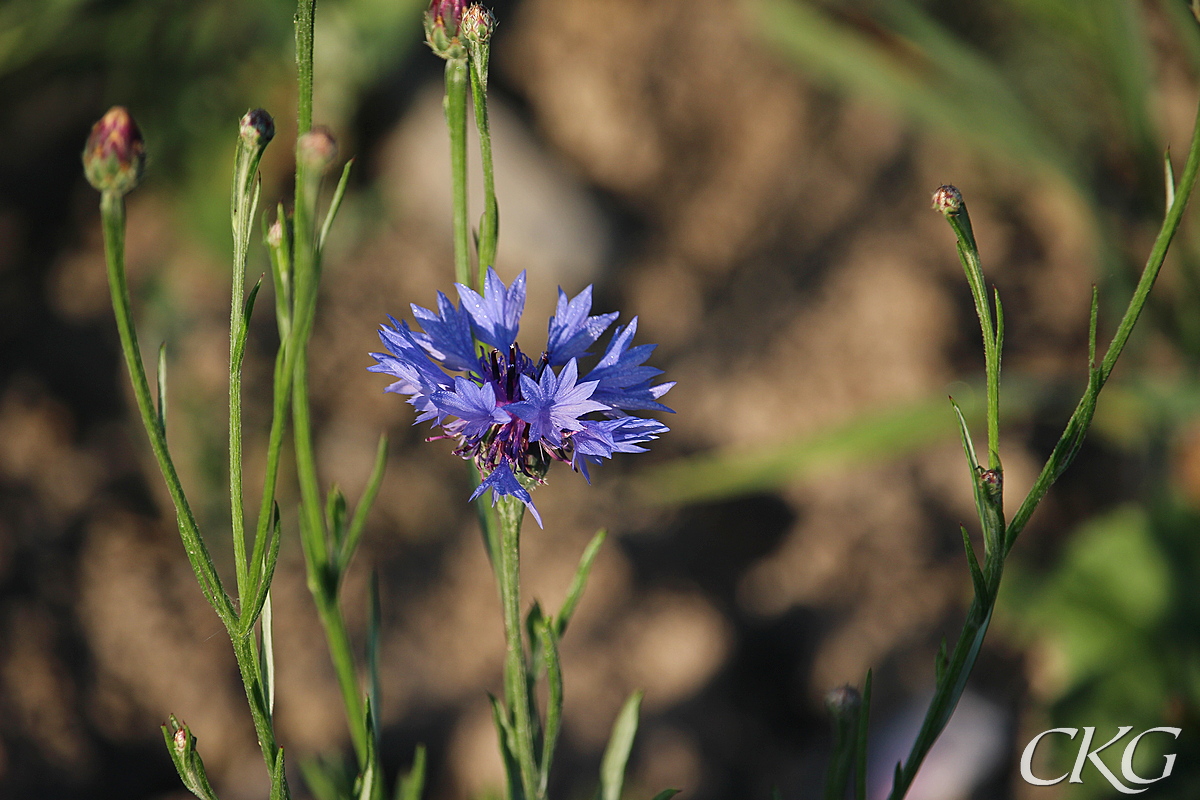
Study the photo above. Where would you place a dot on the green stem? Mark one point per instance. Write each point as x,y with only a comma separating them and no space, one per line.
489,226
112,211
516,666
968,253
953,679
456,119
305,23
246,653
244,202
279,418
341,653
1064,452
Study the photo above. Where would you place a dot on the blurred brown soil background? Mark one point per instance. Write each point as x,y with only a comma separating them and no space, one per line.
771,234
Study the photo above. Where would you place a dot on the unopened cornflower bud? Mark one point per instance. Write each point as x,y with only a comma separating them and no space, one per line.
181,740
443,21
477,24
275,234
115,155
317,149
947,199
257,129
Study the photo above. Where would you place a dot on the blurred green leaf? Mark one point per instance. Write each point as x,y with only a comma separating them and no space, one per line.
620,744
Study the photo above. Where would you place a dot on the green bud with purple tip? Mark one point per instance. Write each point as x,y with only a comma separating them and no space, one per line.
948,200
115,154
443,22
257,129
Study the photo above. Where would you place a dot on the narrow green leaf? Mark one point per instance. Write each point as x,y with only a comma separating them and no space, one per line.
575,590
373,624
162,388
999,325
507,738
968,447
940,662
864,714
268,653
359,521
620,744
326,779
666,794
250,298
412,784
335,518
554,701
262,582
279,787
334,204
239,336
1093,316
981,591
534,620
367,780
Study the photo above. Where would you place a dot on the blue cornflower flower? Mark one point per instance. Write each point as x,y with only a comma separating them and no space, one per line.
510,414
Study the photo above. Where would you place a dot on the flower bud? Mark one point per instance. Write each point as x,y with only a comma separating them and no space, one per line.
257,129
275,234
477,24
115,154
442,23
947,199
317,149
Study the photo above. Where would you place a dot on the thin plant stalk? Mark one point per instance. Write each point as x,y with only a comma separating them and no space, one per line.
456,120
327,543
489,225
112,211
954,671
516,665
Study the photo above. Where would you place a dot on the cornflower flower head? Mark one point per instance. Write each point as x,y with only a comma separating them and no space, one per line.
514,415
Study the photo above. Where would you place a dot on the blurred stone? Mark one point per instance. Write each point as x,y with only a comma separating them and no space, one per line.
548,223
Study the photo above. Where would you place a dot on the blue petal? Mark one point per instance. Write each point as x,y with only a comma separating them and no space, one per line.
503,483
553,405
474,405
572,331
497,314
623,381
447,335
407,361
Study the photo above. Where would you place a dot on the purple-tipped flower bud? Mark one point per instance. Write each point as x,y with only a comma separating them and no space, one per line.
449,12
115,154
477,24
442,23
257,129
947,199
317,148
